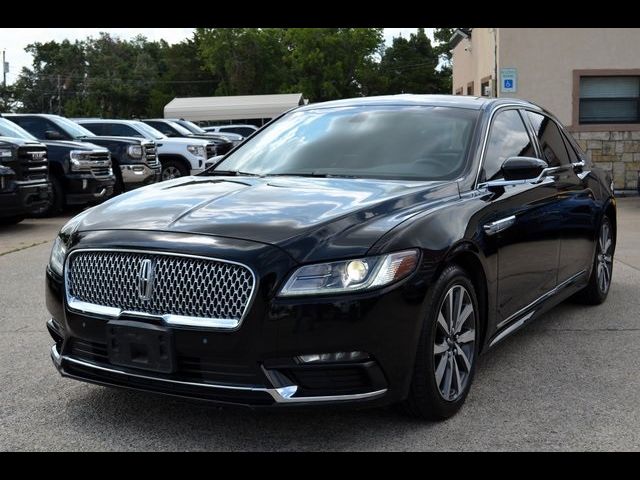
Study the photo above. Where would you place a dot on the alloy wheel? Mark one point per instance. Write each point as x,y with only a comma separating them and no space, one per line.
170,172
454,342
604,258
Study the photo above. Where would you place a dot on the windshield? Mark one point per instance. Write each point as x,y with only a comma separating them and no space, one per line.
152,133
192,127
398,142
10,129
72,128
181,130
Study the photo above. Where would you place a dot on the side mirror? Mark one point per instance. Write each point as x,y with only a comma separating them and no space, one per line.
53,135
523,168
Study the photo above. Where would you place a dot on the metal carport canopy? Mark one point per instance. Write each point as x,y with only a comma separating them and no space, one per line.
231,108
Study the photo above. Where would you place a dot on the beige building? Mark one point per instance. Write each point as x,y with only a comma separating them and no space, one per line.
588,77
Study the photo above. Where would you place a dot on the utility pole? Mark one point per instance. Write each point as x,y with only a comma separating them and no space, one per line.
4,70
59,97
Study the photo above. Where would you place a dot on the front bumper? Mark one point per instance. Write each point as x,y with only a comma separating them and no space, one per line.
86,189
138,175
23,198
255,365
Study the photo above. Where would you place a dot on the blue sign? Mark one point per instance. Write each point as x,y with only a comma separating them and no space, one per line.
508,80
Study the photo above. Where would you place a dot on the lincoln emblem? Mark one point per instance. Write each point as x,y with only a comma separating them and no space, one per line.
145,279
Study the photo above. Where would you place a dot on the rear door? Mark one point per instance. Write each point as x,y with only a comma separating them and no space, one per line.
521,223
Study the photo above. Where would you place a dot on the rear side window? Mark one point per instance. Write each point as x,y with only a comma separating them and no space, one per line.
162,127
554,151
244,131
96,128
120,130
508,137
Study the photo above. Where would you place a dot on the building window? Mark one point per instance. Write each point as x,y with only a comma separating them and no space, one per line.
609,99
470,88
459,91
485,87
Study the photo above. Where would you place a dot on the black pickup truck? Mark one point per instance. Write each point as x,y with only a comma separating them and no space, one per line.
80,173
134,159
24,181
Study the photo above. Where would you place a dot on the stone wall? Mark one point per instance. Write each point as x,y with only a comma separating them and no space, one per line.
616,152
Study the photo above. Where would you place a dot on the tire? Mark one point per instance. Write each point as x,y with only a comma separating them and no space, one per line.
118,186
173,169
594,293
11,220
429,398
55,204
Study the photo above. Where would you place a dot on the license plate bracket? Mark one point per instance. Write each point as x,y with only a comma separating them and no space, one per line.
140,345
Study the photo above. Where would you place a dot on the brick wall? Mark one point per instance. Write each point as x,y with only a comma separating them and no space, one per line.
616,152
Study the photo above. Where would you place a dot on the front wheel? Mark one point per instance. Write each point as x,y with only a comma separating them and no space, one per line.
11,220
172,169
448,348
55,203
599,284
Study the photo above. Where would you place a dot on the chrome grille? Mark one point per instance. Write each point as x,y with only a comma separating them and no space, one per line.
33,164
150,155
181,286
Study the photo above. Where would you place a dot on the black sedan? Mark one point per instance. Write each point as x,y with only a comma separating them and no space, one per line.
321,263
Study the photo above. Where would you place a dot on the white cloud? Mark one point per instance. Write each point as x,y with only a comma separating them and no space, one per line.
14,40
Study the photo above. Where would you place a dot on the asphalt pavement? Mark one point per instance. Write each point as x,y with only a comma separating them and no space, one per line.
569,381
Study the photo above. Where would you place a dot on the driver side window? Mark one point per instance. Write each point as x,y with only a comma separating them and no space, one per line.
508,137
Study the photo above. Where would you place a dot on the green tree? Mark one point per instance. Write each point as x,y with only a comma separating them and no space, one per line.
243,61
410,65
330,63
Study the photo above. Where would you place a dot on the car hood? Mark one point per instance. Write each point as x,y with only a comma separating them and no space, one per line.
310,218
106,138
20,142
182,141
72,145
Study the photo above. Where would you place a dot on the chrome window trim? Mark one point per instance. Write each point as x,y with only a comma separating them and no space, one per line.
483,151
280,395
78,306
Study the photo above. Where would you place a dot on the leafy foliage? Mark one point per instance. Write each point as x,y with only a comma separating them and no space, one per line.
110,77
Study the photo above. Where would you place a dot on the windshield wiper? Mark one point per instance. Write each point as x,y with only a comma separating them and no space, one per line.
229,173
311,175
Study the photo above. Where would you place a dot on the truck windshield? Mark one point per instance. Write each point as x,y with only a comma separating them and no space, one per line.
192,127
181,130
395,142
10,129
150,132
72,128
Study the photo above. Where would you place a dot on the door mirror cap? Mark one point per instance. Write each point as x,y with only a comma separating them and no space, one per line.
53,135
523,168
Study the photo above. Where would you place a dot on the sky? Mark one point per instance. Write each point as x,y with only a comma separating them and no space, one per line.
14,40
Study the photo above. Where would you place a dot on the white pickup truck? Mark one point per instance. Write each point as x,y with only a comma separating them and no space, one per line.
179,156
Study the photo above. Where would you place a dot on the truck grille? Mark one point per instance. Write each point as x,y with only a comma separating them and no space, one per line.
150,155
33,164
182,286
102,167
211,150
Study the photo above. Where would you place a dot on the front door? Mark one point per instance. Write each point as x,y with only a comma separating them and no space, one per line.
522,223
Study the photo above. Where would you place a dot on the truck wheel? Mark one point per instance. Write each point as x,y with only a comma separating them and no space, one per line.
10,220
173,169
118,186
54,205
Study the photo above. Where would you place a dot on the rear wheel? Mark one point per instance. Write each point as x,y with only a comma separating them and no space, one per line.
173,169
55,203
599,284
447,352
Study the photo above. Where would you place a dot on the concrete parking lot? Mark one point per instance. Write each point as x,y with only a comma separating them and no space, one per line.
570,381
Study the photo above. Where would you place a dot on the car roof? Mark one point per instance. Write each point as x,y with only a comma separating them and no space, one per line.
460,101
105,120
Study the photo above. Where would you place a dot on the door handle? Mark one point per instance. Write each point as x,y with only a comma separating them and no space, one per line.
499,225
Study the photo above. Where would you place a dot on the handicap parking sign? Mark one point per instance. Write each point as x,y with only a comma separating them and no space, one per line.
508,80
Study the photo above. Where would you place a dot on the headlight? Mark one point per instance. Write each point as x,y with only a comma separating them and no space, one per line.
134,151
61,243
80,160
58,253
5,153
197,150
351,275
